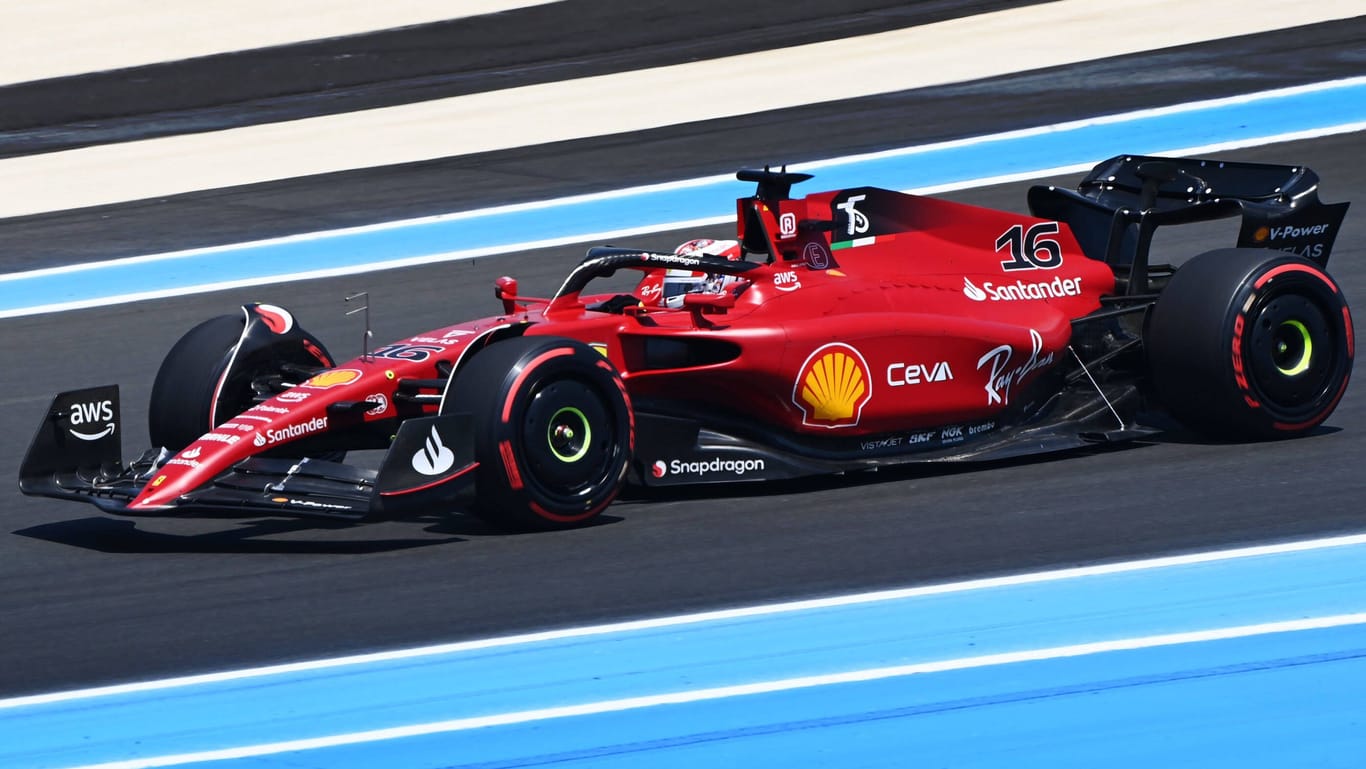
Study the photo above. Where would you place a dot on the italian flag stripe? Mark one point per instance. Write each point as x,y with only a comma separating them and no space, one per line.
853,243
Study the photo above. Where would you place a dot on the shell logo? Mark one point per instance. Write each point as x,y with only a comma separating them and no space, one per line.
339,376
833,386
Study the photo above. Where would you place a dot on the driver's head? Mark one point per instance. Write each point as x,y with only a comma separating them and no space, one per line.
665,288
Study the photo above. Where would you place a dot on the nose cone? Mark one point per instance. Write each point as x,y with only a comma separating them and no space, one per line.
294,414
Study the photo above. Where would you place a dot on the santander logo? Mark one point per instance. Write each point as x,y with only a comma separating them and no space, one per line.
434,458
1057,288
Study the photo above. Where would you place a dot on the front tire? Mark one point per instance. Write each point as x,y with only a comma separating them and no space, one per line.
181,408
553,431
1250,343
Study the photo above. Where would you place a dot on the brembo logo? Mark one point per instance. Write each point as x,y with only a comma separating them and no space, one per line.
833,386
91,414
434,458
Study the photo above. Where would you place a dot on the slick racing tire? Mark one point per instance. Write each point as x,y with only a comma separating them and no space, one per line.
182,403
553,431
182,394
1250,343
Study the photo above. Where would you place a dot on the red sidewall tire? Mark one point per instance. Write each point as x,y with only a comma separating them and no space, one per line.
182,393
1250,343
553,431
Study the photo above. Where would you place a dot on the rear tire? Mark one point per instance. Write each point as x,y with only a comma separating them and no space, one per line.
1250,343
553,431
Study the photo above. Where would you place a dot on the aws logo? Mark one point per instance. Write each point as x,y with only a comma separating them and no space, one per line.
833,386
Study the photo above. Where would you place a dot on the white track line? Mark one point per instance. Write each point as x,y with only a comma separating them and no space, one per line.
957,50
992,583
57,38
520,247
1118,118
741,690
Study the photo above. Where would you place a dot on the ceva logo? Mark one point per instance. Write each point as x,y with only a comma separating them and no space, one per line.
833,386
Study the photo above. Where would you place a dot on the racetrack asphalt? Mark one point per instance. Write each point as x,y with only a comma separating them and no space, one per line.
90,599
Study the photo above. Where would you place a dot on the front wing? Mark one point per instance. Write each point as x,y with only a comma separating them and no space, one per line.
76,454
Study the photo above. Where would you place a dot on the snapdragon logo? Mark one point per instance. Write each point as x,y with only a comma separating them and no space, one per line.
709,466
1056,288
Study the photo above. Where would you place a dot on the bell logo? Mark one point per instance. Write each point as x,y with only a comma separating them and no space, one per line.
833,387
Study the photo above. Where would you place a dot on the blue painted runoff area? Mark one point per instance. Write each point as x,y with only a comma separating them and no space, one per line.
1260,117
996,675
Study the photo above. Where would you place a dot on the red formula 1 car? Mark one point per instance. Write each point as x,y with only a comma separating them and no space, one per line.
844,330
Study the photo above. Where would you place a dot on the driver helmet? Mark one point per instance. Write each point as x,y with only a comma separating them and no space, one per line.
666,288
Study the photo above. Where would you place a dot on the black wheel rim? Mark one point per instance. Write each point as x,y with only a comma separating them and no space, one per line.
1292,352
568,439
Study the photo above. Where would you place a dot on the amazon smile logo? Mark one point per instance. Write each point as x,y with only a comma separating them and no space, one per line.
91,414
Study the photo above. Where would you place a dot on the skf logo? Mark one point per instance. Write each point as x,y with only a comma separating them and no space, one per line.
833,387
339,376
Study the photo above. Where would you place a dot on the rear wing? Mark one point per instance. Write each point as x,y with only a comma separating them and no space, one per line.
1117,207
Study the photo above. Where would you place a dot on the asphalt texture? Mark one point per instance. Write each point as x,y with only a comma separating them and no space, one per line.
90,599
